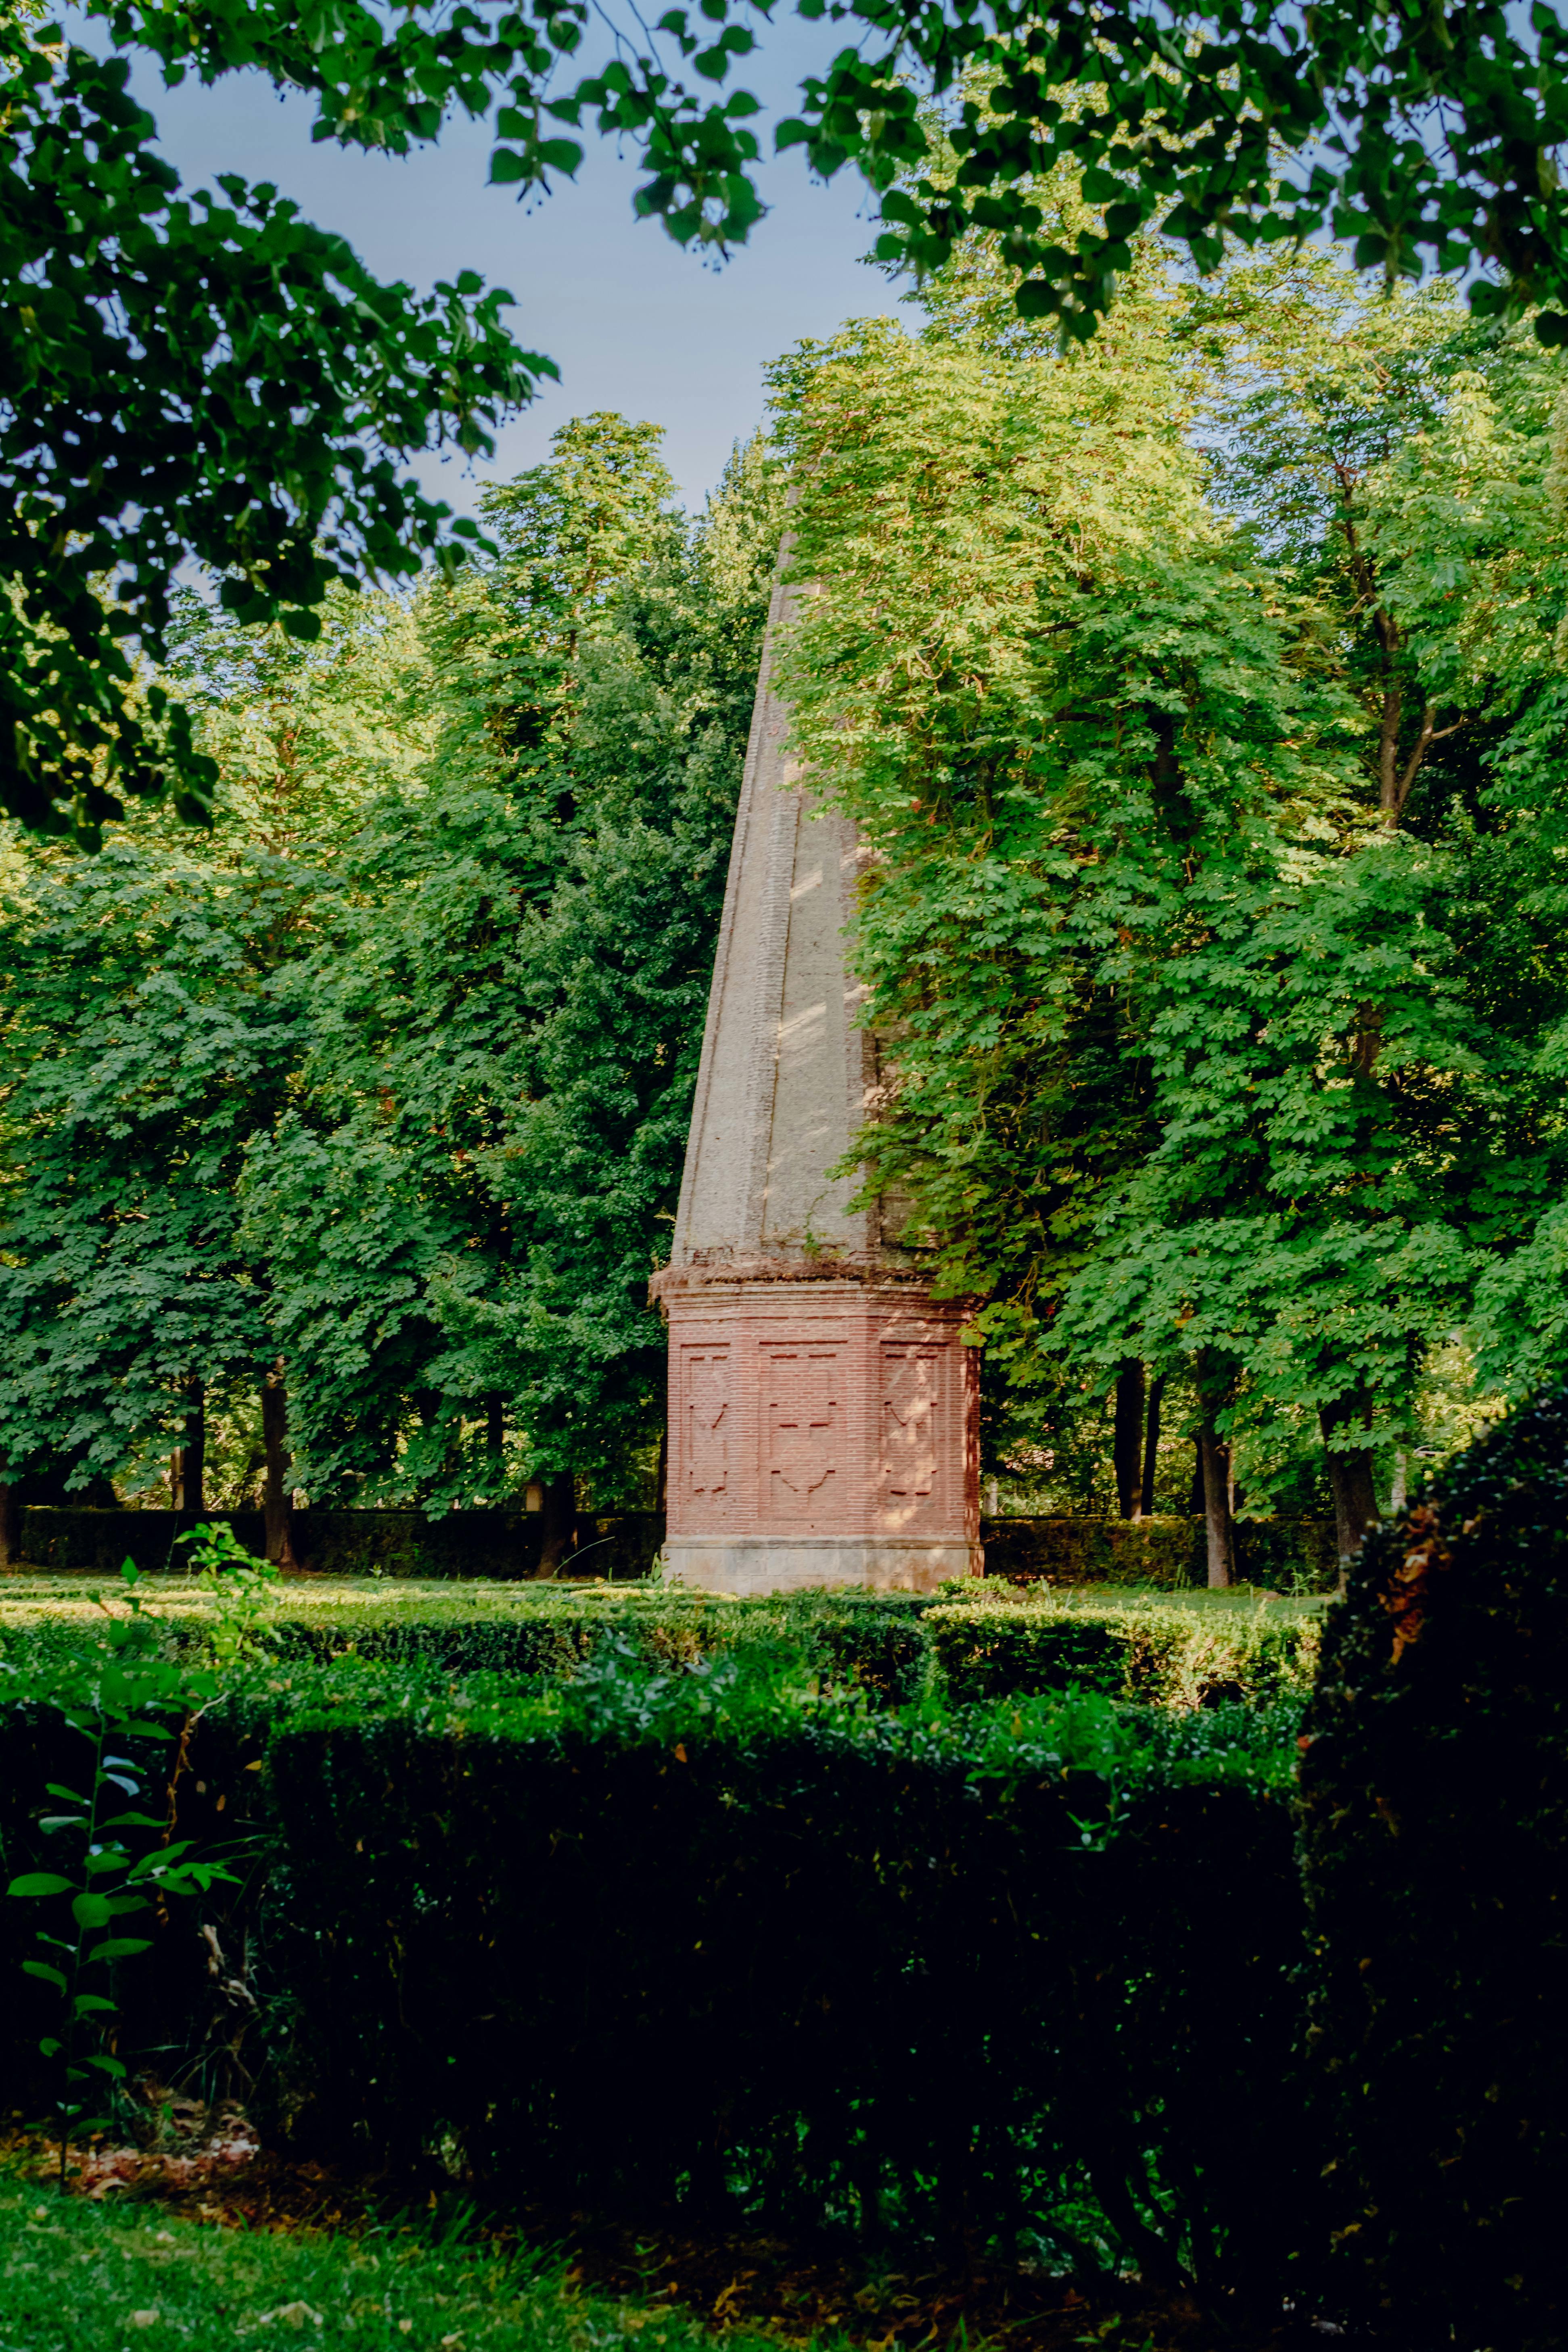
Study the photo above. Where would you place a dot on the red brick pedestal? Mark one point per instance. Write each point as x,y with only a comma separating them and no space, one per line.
822,1432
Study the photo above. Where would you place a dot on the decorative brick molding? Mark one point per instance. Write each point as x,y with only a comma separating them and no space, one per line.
819,1435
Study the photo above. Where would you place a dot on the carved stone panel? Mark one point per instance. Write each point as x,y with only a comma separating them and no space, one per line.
912,1432
708,1424
803,1417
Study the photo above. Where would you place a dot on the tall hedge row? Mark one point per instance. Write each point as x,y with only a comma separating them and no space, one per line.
966,1981
649,1939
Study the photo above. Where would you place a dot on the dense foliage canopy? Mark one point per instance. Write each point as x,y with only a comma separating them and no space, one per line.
1215,792
390,1075
1199,690
209,375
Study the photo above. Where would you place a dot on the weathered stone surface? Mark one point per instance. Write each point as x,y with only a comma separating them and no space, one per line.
785,1074
822,1406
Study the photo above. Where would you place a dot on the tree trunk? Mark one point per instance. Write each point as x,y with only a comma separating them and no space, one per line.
1152,1449
10,1524
1350,1472
495,1422
1215,1454
278,1498
1196,1494
1128,1438
558,1523
194,1453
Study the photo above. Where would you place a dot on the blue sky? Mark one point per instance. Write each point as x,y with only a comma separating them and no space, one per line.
633,323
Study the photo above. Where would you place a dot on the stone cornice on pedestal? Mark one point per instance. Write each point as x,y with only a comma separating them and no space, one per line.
714,1270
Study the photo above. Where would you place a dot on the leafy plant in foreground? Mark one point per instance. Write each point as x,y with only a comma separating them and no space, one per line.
242,1589
118,1859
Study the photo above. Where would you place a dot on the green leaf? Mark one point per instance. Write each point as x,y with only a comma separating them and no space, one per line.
42,1969
118,1948
41,1882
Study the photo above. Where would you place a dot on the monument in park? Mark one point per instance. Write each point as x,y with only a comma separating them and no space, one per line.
823,1409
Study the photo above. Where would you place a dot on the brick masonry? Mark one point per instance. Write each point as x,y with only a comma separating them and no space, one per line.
820,1433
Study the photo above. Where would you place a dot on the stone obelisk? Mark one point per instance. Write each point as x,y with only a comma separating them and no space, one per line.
823,1409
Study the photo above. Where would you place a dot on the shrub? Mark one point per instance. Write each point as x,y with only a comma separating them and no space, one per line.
871,1641
710,1933
1436,1839
1162,1652
698,1937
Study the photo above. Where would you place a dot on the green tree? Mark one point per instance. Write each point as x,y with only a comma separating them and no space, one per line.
204,377
466,1204
144,1038
152,1027
962,507
1198,1060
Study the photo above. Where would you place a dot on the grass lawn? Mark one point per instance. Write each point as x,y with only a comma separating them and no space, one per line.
26,1592
77,2277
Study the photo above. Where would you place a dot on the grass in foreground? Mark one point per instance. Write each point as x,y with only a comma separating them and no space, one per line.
83,2277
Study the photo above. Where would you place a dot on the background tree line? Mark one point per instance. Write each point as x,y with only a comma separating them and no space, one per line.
335,1144
1201,690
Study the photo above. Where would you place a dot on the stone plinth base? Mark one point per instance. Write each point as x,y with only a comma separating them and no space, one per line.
821,1431
770,1564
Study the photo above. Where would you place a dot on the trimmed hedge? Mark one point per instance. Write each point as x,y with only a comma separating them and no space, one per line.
693,1937
1434,1786
810,1966
1163,1654
499,1544
892,1646
1289,1555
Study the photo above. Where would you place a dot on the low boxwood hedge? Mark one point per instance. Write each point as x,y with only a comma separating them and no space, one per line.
894,1646
1162,1652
